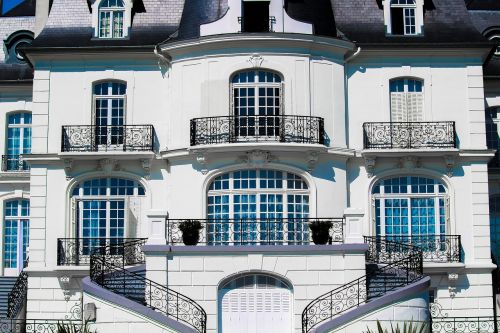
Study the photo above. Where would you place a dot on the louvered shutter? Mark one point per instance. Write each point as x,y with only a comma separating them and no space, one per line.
414,106
398,107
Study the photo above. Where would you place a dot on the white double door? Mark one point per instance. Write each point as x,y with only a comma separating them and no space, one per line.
256,311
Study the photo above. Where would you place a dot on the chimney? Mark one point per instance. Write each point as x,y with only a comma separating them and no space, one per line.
41,16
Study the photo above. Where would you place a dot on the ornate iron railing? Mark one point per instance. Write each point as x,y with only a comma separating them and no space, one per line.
463,325
90,138
409,135
109,272
17,296
77,251
14,163
270,27
435,248
35,325
270,231
233,129
404,267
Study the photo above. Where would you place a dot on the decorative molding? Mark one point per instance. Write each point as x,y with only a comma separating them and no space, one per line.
256,60
452,279
449,161
312,160
257,158
370,165
409,162
68,167
201,158
65,282
107,165
146,166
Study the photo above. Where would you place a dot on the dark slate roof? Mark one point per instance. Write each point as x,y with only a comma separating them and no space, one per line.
69,25
25,8
198,12
317,12
492,67
15,73
446,22
483,4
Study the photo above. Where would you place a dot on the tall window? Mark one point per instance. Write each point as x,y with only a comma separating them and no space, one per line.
18,141
101,210
109,99
495,226
410,206
16,234
403,17
111,14
492,139
266,205
257,104
407,100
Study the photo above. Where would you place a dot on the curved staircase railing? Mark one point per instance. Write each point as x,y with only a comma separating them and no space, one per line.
107,269
395,265
17,296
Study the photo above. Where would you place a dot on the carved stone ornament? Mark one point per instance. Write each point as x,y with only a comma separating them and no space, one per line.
449,161
201,158
312,160
65,282
452,279
107,165
146,166
257,158
256,60
370,165
68,166
409,162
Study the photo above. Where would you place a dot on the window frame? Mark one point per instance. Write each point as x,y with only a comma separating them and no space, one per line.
22,221
112,11
417,8
406,91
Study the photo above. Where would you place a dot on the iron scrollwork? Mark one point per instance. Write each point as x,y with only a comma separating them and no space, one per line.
17,296
14,163
463,325
409,135
35,325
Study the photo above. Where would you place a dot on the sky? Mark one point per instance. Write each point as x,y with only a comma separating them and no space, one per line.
9,4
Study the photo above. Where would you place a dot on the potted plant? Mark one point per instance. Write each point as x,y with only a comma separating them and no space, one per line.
320,231
190,231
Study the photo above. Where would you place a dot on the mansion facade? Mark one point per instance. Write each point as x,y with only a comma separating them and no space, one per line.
249,165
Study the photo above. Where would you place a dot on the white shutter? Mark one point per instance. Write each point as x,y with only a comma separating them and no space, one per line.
74,232
132,216
414,105
398,107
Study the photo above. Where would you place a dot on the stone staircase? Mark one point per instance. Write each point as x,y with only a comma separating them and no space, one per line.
6,284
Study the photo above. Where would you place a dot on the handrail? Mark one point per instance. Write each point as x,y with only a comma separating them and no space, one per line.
8,325
406,270
17,296
108,271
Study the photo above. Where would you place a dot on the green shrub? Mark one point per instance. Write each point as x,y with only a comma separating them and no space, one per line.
73,328
410,327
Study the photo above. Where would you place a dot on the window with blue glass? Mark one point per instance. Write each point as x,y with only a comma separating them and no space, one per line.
18,141
407,100
258,206
109,99
111,13
495,226
410,208
16,233
100,207
257,103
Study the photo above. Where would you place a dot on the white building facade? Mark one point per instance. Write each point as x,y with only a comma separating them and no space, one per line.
249,166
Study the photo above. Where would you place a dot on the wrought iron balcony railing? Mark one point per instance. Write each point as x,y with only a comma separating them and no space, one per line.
270,231
257,25
90,138
409,135
464,325
14,163
435,248
233,129
17,296
77,251
36,325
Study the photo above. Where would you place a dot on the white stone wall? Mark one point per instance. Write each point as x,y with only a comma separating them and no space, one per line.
199,275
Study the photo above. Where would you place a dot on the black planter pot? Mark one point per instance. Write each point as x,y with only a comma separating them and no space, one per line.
191,238
320,238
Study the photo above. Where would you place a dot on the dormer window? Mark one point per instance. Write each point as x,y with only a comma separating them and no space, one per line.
111,18
404,17
255,16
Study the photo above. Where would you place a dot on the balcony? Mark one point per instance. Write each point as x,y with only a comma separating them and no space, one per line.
254,232
77,251
92,138
409,135
239,129
435,248
257,24
14,163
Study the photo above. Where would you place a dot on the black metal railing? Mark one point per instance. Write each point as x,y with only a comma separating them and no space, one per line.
256,25
435,248
403,266
234,129
14,163
91,138
464,325
108,271
77,251
17,296
409,135
36,325
269,231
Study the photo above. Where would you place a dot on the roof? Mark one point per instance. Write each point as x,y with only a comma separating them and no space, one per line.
492,67
15,73
446,22
483,4
70,24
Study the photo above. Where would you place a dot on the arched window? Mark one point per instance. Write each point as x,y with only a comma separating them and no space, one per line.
410,206
257,104
18,141
255,303
109,117
111,14
495,226
403,17
16,235
407,100
101,208
258,206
